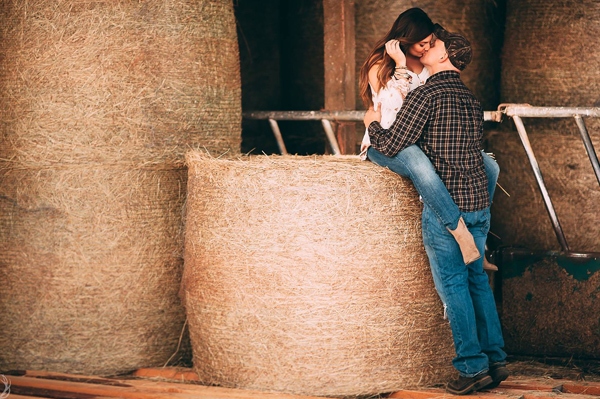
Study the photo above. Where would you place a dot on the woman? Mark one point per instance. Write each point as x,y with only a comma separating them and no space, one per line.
392,69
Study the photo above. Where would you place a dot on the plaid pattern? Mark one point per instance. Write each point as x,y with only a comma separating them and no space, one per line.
446,121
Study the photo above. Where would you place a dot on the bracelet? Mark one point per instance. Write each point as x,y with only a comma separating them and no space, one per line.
406,77
402,75
401,67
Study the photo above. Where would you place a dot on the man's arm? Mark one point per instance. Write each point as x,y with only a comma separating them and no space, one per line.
406,129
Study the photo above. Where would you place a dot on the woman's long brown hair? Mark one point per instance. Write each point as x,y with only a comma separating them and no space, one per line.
412,26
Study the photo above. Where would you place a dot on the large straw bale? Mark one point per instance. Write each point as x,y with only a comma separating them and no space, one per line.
308,275
550,55
551,306
522,219
550,58
479,20
106,81
90,264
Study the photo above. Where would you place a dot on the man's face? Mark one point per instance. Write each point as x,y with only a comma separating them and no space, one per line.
437,50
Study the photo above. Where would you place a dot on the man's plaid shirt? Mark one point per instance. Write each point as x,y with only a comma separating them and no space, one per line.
446,120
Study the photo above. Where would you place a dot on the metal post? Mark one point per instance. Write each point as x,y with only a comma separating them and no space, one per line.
540,181
277,133
589,147
331,137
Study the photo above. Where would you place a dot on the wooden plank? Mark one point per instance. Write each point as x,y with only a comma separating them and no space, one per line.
13,396
168,373
147,387
588,388
339,47
440,393
555,395
531,385
420,394
78,390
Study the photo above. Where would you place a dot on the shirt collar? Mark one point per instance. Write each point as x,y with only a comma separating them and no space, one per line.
444,75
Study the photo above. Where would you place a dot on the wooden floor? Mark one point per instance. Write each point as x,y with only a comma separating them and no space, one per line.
181,383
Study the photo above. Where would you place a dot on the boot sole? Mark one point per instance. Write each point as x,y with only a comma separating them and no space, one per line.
474,386
501,376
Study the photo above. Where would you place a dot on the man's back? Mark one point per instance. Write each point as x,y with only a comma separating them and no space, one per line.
452,139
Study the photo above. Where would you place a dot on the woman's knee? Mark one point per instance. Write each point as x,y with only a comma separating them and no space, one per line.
415,160
492,169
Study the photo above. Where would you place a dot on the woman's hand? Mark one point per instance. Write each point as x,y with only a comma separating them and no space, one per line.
393,49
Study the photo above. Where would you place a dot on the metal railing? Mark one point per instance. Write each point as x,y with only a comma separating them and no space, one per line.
514,111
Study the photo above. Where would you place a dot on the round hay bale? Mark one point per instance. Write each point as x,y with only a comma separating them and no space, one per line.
545,62
551,306
90,264
308,275
480,21
522,219
108,81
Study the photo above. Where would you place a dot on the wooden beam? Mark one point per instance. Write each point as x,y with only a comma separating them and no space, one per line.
54,384
168,373
340,76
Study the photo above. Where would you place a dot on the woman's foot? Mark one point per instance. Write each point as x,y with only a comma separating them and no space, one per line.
466,242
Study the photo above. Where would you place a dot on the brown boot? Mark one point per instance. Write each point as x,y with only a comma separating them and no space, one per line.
465,241
489,266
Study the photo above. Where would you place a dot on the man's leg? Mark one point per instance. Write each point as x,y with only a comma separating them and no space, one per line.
489,330
451,277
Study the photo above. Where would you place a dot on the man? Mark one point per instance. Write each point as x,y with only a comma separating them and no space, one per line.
446,121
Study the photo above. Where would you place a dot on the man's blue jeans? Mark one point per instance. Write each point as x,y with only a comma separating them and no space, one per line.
414,164
465,292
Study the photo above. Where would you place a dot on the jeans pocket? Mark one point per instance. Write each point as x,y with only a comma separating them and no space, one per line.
485,221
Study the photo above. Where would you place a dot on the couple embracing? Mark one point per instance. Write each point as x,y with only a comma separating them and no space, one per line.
425,124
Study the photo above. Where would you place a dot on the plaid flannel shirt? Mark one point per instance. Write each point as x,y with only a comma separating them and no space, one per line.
446,120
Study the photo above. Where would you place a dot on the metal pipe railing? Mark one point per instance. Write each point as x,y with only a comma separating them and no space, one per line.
514,111
560,235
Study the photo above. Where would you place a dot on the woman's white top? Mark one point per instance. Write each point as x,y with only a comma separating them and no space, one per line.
391,98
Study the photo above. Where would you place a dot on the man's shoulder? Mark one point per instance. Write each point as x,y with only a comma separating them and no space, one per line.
451,86
421,93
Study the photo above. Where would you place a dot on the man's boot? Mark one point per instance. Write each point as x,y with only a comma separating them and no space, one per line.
465,240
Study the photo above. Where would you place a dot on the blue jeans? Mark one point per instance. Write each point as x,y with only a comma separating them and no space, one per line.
414,164
465,292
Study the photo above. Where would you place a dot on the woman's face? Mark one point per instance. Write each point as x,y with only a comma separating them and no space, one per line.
418,49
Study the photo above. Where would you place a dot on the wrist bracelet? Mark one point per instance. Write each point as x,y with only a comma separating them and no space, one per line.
401,67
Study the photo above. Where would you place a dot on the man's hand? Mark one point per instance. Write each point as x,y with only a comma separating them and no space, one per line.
372,115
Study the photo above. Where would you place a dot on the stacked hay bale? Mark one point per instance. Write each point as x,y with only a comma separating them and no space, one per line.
100,101
480,22
308,275
546,63
548,303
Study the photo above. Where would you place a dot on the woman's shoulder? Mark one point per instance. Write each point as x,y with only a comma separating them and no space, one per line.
373,79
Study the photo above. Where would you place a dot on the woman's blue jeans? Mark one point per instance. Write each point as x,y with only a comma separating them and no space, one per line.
414,164
465,292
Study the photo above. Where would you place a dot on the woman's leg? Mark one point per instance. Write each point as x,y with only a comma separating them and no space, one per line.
492,170
414,164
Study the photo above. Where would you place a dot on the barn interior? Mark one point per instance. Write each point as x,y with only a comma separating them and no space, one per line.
178,201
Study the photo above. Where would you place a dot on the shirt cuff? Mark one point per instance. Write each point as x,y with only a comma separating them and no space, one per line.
374,128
